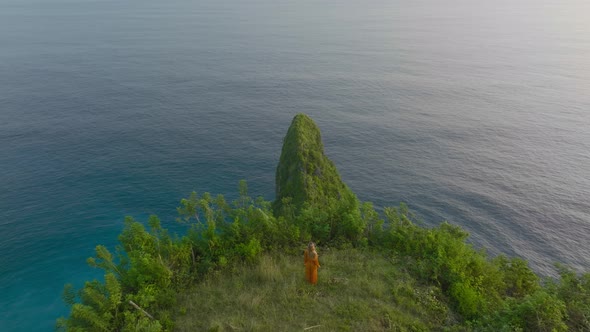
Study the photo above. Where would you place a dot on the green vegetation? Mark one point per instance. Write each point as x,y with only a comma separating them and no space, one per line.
304,173
309,189
359,290
239,267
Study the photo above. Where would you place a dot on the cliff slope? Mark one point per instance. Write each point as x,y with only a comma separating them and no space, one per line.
304,173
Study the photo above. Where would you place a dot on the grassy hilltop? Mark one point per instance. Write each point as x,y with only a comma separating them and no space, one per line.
240,267
358,291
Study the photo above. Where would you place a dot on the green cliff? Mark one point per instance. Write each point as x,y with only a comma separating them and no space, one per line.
304,173
309,190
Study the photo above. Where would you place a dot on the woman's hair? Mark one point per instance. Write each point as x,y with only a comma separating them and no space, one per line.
311,250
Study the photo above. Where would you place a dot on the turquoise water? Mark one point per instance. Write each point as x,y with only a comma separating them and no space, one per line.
476,112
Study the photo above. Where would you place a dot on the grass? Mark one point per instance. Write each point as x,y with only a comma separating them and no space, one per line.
357,291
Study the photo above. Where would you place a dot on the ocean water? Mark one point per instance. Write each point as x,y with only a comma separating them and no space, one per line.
475,112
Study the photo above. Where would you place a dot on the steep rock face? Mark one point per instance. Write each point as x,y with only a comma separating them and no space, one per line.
304,173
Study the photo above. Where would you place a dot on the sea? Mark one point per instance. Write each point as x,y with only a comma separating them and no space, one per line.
470,111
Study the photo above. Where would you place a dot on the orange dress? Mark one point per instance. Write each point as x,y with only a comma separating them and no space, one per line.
311,267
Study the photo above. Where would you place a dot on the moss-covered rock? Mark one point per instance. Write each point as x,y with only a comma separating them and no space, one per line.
304,173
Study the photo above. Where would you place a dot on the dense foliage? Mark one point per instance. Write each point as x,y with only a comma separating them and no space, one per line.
309,189
499,294
467,290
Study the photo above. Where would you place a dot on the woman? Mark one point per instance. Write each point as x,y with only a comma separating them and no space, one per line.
310,259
